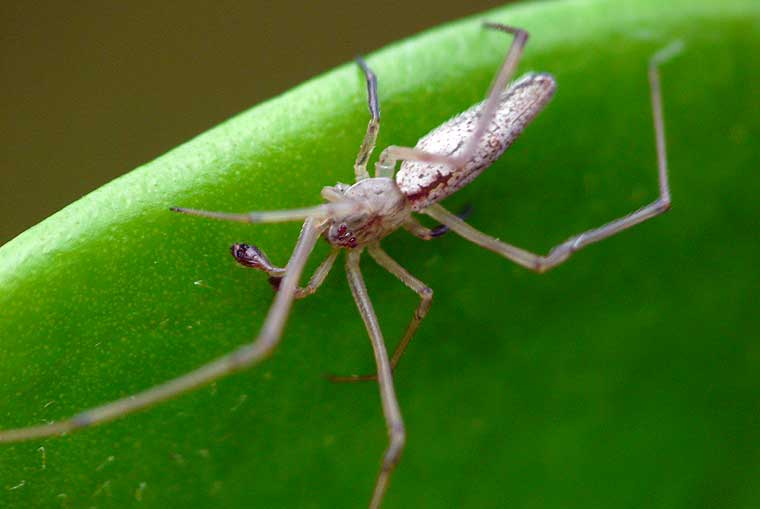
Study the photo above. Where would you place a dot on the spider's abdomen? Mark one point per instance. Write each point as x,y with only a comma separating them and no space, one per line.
426,183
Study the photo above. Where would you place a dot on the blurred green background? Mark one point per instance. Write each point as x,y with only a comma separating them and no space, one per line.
91,89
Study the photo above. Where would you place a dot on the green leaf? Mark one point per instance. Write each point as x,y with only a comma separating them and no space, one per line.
625,378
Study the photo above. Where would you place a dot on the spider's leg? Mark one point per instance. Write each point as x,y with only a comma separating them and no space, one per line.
426,298
503,76
415,228
278,216
391,410
370,138
237,360
563,251
392,154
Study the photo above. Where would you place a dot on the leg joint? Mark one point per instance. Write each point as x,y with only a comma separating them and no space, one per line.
82,420
517,32
395,448
243,356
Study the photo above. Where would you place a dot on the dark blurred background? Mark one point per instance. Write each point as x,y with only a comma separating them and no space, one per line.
90,90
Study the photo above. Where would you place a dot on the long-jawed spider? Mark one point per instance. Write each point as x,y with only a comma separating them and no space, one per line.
356,217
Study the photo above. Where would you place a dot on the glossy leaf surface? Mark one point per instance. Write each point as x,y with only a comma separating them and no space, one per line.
626,378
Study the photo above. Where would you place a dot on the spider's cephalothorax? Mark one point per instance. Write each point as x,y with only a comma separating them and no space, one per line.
357,217
381,210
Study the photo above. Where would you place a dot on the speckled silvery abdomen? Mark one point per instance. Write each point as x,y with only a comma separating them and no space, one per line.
424,183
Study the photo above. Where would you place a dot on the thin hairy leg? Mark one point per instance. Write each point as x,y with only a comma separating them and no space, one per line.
500,83
391,410
392,154
563,251
368,145
237,360
423,232
278,216
426,298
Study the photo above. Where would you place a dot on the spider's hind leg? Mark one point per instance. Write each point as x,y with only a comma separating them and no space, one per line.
563,251
392,154
241,358
423,232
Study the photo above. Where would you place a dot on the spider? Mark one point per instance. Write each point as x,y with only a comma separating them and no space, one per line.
357,217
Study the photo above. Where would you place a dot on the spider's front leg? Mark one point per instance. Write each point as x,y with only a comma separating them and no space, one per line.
237,360
253,257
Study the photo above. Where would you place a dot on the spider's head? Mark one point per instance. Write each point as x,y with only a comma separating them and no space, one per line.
383,210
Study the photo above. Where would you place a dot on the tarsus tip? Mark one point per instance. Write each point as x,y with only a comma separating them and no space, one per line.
668,52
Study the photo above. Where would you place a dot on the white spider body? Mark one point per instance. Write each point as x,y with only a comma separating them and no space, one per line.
426,183
384,209
387,203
